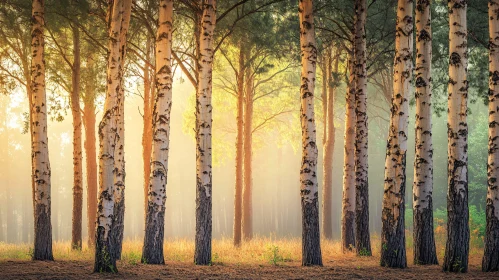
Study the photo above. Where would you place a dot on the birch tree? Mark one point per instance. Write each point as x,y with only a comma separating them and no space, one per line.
152,251
202,254
119,150
348,202
39,141
490,260
393,253
424,239
105,248
458,233
311,247
362,238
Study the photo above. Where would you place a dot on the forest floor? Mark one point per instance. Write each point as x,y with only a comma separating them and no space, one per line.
262,258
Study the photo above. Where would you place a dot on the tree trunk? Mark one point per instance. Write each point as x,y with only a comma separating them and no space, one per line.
39,144
247,223
89,121
239,149
327,187
311,241
147,133
490,260
348,203
152,251
393,252
108,209
119,151
362,238
424,239
77,149
202,255
458,233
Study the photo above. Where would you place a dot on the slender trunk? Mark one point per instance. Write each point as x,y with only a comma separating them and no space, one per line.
393,252
327,187
325,75
152,251
147,130
11,230
89,121
490,260
119,151
239,149
108,207
202,255
458,232
424,239
247,223
348,203
362,238
77,149
311,241
39,144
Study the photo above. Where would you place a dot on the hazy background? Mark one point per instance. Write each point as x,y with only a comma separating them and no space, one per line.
276,165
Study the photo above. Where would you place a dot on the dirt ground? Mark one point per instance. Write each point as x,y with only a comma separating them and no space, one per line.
345,268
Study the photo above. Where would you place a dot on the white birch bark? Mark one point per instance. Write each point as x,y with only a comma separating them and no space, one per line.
490,260
424,241
105,253
202,254
393,252
155,217
39,144
311,250
457,247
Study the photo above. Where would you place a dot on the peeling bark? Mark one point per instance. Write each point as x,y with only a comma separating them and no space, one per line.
76,239
202,254
348,202
424,239
239,150
311,247
39,142
393,252
458,233
119,150
152,251
362,237
107,245
490,260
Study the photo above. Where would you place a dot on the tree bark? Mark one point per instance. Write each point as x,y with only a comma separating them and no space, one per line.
89,121
424,239
39,144
393,252
239,149
348,202
311,242
458,233
247,223
490,260
107,223
76,239
327,187
362,237
152,251
147,133
119,151
202,254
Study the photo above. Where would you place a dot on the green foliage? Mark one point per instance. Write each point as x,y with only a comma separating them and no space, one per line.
273,256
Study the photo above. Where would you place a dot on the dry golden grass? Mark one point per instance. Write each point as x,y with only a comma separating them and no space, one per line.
261,250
